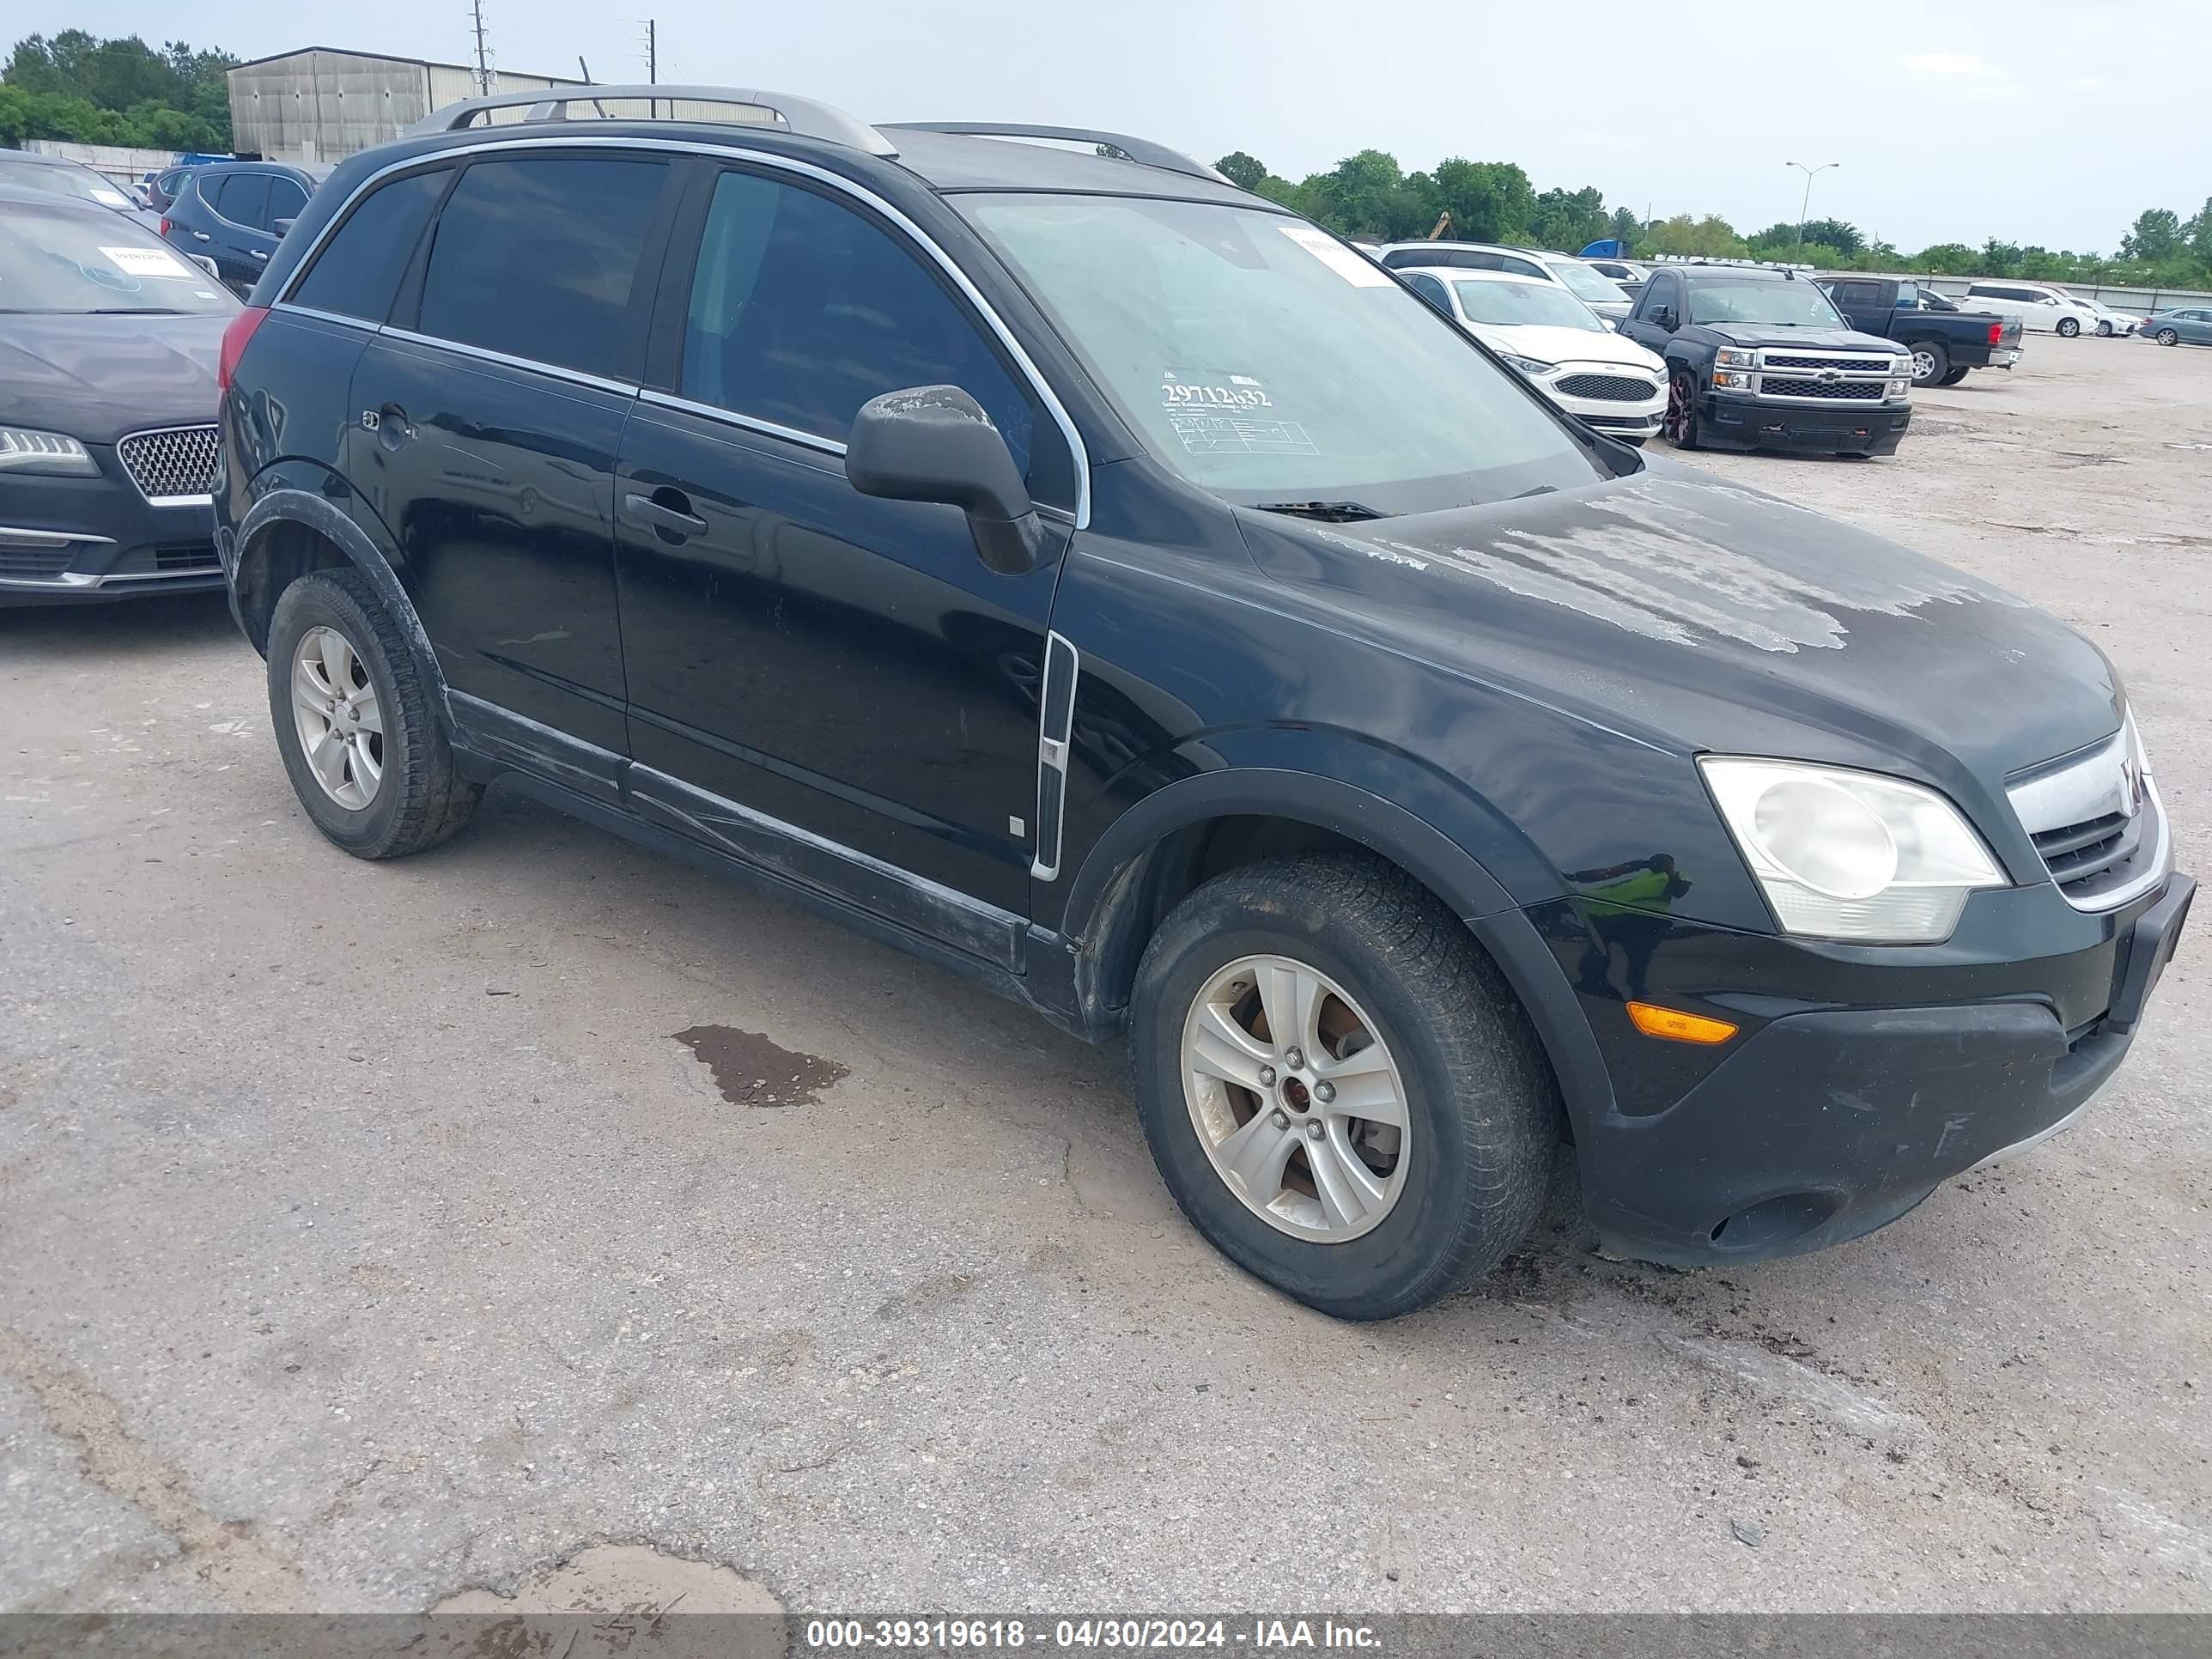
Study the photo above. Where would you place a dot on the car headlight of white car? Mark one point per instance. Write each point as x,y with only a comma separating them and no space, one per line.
53,454
1850,855
1528,365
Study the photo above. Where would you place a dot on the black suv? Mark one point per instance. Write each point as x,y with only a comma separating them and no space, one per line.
1094,580
1759,358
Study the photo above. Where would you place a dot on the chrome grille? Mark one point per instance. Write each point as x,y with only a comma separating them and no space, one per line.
174,461
2096,819
1610,388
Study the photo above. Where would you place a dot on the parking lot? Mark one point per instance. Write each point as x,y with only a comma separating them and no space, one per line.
377,1232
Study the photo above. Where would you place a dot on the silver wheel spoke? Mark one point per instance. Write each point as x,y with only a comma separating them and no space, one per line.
1292,995
1222,1048
337,662
365,708
1366,1086
367,771
307,689
1351,1193
1255,1156
327,755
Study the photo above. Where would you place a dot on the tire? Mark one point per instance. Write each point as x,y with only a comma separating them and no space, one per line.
2068,328
1457,1186
2168,337
1679,422
2104,330
1931,363
395,788
1952,376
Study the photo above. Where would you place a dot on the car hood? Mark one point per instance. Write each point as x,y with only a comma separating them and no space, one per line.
1564,345
97,378
1816,339
1697,615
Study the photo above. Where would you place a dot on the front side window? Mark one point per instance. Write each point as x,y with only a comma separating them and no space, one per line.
801,310
535,258
1660,292
1908,296
1785,304
1263,360
1431,290
358,268
73,260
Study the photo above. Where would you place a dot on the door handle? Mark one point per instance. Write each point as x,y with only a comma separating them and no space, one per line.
202,236
669,521
258,253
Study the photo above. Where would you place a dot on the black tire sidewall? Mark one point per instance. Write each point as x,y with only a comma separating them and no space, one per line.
1383,1270
2068,328
318,601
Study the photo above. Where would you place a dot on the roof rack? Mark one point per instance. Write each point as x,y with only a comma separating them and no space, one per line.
1143,151
809,118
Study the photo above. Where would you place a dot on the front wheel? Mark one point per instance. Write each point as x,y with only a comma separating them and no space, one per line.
2068,328
2104,330
1931,363
1681,424
1340,1088
2168,337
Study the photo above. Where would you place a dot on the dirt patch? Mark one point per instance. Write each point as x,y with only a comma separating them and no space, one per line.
750,1071
640,1601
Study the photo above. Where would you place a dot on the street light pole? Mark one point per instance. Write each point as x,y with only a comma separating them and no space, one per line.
1805,207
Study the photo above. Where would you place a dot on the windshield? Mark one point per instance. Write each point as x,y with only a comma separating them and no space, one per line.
64,259
1587,285
1517,305
82,183
1263,360
1788,303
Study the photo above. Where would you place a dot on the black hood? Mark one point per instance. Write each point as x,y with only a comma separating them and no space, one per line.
1813,339
1701,616
97,378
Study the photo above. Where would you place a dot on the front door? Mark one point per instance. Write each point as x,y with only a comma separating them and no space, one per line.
842,671
486,422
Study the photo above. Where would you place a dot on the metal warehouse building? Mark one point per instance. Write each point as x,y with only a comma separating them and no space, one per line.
320,104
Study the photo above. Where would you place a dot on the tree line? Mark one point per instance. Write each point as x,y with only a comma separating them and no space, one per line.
89,91
1369,195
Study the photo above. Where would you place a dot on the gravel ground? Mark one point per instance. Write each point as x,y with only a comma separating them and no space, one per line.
370,1235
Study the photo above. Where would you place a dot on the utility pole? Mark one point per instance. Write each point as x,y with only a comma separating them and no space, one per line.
1805,207
483,58
653,61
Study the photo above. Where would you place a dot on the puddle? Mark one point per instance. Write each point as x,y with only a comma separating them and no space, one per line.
750,1071
643,1602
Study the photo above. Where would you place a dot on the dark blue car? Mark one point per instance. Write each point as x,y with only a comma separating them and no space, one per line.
235,213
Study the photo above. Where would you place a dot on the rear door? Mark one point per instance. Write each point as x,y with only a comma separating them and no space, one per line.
238,204
828,682
488,417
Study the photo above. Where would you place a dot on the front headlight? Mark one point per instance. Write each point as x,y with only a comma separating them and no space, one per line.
1843,855
50,453
1527,365
1732,357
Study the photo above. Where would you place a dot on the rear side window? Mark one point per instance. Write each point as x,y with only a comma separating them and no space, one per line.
1864,294
535,258
801,310
243,199
286,199
358,270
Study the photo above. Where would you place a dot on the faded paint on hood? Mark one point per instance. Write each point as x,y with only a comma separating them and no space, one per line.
97,377
1701,615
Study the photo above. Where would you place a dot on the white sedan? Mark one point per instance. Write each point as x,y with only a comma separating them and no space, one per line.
1563,348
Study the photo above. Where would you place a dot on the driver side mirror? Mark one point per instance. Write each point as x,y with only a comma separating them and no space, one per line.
283,225
1663,317
934,443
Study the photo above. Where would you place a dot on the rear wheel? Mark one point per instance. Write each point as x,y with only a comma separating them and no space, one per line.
2168,337
355,725
1931,363
2068,328
1338,1086
1951,376
1681,425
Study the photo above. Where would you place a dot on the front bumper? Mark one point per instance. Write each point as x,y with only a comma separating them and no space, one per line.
1635,417
1840,1108
1864,429
69,540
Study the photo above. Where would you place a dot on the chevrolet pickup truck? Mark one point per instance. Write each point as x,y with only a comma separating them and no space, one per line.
1945,340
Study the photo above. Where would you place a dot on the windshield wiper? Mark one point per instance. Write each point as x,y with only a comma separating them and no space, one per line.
130,311
1326,512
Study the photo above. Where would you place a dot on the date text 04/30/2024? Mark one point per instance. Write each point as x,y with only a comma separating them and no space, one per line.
1108,1635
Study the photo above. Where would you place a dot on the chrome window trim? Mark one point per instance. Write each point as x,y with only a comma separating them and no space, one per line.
745,422
501,359
1043,388
337,317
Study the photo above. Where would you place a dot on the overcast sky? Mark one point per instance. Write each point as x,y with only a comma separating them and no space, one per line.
2029,120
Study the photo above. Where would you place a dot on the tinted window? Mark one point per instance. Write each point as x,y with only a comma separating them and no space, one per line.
1862,294
359,267
801,310
535,258
245,199
1661,292
1430,289
286,198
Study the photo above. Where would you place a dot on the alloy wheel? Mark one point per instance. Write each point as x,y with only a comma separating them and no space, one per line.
335,708
1296,1099
1679,409
1923,365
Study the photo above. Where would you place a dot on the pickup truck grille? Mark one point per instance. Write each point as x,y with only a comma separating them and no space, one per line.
1772,385
1611,388
1800,360
2097,821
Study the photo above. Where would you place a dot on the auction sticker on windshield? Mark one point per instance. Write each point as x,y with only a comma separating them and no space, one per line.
1215,412
148,262
1355,267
